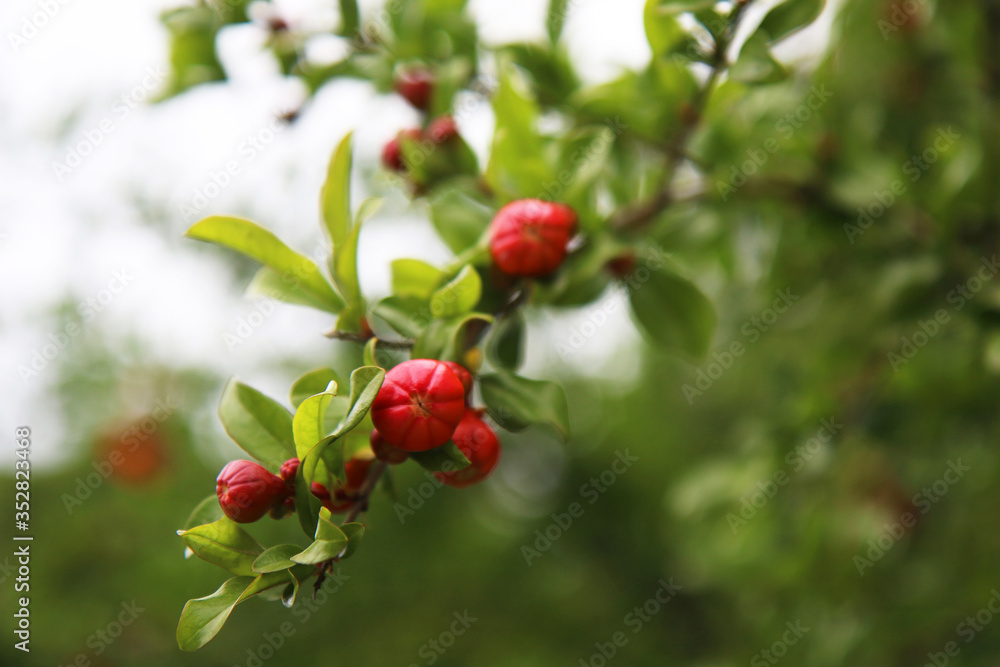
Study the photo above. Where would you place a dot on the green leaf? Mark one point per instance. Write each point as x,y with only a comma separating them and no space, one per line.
674,313
335,197
345,267
555,18
515,402
355,533
459,296
225,544
517,166
789,17
365,383
756,64
663,31
201,619
314,382
444,338
412,277
252,240
284,287
207,511
506,348
446,458
406,315
555,78
276,558
330,542
369,357
459,219
309,424
307,506
258,424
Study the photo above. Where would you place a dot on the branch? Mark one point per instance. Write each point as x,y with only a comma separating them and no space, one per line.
361,501
638,216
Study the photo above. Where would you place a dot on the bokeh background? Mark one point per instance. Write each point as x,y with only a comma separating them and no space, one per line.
116,335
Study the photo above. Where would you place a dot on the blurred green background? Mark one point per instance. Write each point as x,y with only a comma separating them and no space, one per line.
728,499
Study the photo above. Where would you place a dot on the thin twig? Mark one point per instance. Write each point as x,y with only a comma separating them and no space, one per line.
638,216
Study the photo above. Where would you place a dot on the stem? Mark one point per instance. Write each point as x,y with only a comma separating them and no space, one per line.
639,216
361,502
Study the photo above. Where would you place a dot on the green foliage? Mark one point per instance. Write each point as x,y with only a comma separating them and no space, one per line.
258,424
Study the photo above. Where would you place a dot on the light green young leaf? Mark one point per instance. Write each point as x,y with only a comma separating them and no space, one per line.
335,197
413,277
309,423
276,559
252,240
201,619
225,544
286,288
459,296
314,382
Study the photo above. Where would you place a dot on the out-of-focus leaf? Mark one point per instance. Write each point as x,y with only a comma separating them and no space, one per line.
459,296
515,402
446,458
674,313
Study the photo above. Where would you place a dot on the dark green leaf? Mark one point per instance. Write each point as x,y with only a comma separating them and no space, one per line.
314,382
674,313
446,458
515,402
506,348
355,533
789,17
258,424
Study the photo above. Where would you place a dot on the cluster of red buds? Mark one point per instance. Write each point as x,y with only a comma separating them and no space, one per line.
422,404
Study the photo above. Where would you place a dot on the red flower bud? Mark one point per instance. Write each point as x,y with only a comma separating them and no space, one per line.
356,470
463,374
419,405
247,491
480,445
288,471
622,265
528,237
386,452
392,153
417,87
442,129
337,502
